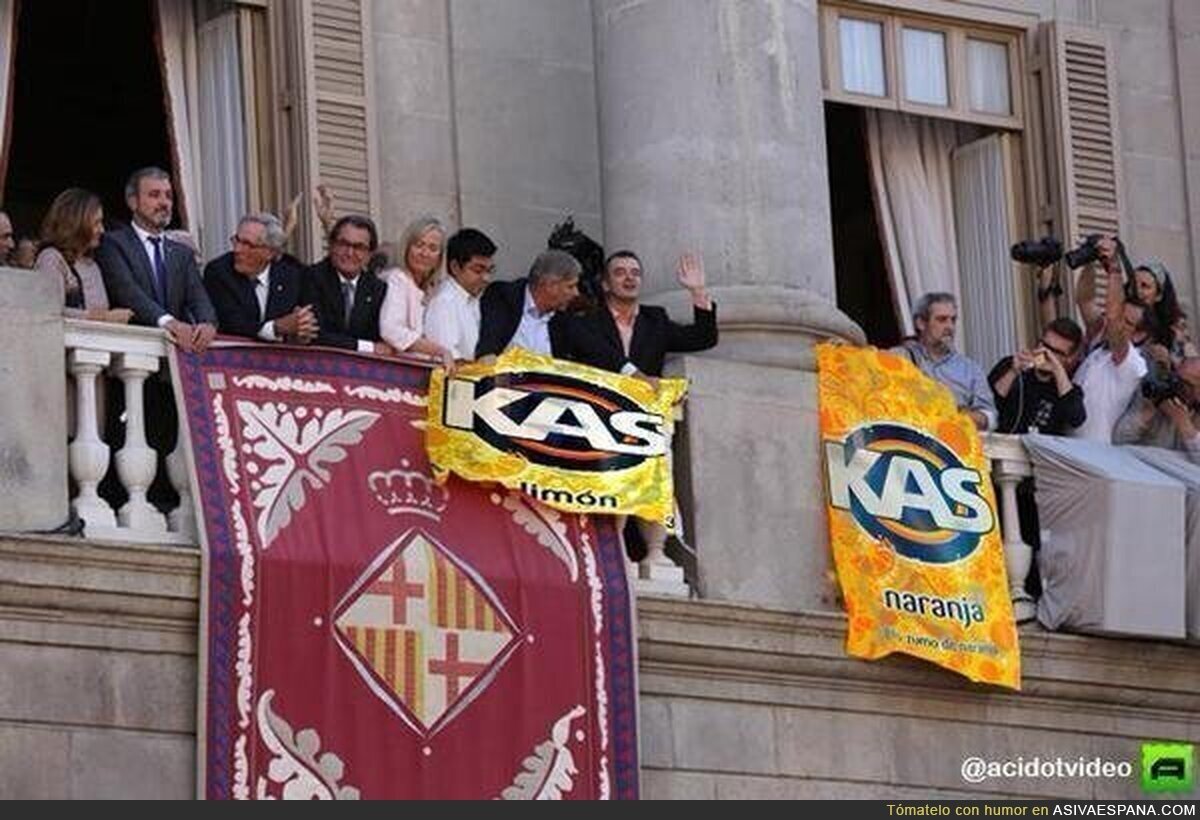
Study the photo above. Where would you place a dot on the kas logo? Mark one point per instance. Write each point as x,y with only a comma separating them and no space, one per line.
556,421
909,489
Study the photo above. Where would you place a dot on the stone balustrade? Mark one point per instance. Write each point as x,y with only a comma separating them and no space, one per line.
1011,465
132,355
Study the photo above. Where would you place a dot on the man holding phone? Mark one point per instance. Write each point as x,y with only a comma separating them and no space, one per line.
1033,388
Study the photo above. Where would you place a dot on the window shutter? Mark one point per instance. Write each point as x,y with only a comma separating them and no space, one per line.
338,113
1084,134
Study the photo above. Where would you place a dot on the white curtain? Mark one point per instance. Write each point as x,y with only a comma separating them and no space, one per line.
861,43
8,42
988,309
222,131
925,67
988,77
177,34
914,202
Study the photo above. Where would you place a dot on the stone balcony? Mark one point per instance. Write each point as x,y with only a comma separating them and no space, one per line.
98,695
98,636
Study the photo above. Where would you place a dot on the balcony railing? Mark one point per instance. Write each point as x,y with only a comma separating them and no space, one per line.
1011,465
131,355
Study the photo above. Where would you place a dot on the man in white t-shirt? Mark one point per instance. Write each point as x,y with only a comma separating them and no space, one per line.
1111,375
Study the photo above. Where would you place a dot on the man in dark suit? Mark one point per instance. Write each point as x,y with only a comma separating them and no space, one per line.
625,336
152,275
527,312
345,296
255,288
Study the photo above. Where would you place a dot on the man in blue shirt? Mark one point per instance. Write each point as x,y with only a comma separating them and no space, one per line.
935,317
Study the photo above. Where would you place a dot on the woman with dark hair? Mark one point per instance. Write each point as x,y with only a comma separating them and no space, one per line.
1151,286
71,233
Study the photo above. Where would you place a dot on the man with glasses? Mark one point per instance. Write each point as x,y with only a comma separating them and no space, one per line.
255,288
1033,388
452,316
344,294
1035,394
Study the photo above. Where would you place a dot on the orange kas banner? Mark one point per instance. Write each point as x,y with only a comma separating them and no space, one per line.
912,519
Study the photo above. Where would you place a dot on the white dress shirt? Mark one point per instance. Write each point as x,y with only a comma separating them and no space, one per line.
262,292
452,319
534,331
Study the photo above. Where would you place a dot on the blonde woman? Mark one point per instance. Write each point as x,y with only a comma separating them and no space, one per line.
71,233
402,318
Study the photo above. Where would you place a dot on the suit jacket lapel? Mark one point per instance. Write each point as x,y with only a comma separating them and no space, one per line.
608,327
640,329
138,260
364,299
175,269
276,295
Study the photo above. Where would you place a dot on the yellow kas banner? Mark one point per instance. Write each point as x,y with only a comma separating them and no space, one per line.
573,437
912,519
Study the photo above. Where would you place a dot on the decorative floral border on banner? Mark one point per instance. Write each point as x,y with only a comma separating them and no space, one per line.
228,688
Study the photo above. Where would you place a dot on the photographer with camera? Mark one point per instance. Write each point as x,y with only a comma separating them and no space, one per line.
1042,255
1033,388
1164,413
1112,372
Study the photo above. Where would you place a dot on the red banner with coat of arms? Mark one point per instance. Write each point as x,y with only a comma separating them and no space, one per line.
370,634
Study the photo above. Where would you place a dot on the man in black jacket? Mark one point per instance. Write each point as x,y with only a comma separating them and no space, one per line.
1034,393
1033,388
625,336
255,288
345,296
527,312
154,276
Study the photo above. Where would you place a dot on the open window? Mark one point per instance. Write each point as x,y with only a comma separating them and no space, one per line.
943,119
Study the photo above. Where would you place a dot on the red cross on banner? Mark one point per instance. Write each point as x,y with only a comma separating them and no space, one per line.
399,589
452,668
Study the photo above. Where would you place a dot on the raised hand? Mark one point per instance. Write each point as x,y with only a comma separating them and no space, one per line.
690,272
323,202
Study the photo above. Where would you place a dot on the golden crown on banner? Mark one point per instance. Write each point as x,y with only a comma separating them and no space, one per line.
408,491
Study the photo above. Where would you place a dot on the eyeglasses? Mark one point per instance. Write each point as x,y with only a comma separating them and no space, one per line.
357,247
238,242
1054,350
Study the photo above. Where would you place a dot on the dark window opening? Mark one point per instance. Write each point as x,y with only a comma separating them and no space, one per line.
864,292
88,104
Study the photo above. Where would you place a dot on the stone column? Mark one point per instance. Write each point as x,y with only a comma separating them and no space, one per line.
33,416
713,138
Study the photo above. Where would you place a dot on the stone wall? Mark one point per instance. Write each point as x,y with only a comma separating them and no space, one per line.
98,687
487,117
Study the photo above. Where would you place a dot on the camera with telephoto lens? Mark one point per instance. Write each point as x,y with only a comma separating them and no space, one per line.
1089,252
1163,383
1040,252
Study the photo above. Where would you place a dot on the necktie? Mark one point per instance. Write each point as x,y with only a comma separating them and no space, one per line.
160,271
347,302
